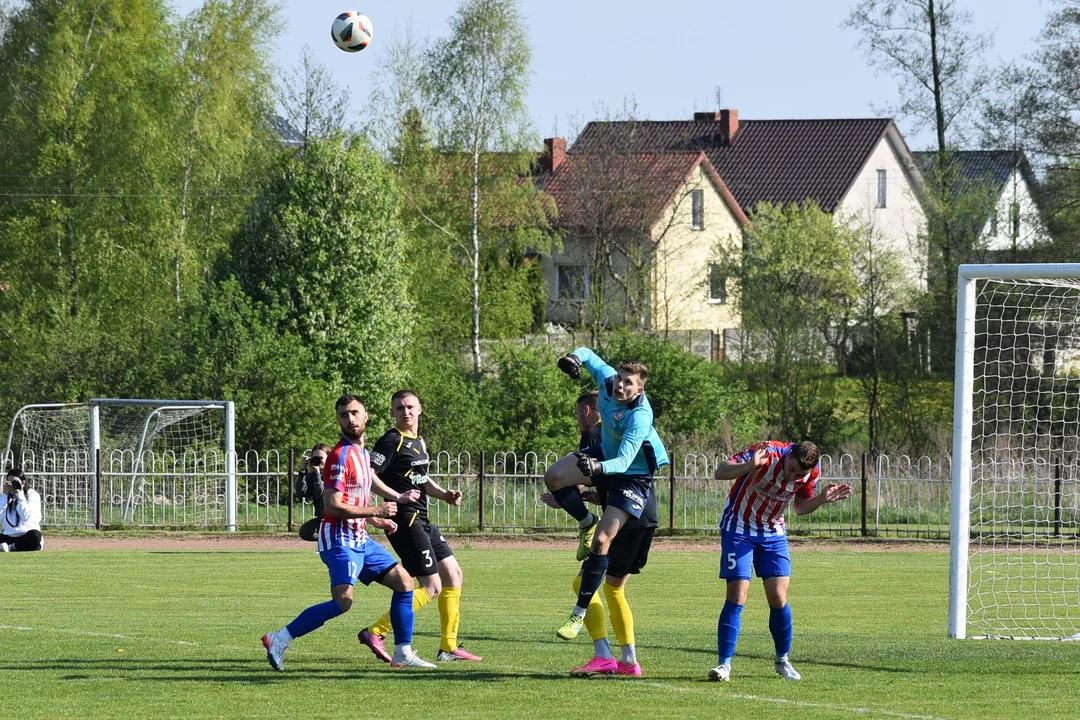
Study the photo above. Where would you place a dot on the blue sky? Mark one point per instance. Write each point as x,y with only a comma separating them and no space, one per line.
770,59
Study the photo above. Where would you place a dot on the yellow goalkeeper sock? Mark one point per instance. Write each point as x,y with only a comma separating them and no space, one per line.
622,620
420,598
595,617
449,617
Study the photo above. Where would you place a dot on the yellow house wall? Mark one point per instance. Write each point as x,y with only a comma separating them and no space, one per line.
680,272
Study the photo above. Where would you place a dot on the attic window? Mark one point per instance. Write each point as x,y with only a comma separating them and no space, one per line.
882,184
697,209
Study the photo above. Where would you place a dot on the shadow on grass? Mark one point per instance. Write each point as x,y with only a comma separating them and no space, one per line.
249,671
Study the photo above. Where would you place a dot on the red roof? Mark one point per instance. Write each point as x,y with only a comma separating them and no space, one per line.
625,190
779,161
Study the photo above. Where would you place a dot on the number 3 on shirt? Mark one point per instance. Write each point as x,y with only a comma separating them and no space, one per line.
427,558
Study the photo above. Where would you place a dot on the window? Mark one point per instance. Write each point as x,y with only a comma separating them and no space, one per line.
1014,216
882,183
571,282
993,224
697,209
717,285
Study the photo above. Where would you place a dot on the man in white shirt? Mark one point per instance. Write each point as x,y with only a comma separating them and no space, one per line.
20,515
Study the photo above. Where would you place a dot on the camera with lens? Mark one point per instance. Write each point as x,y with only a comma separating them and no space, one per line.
16,484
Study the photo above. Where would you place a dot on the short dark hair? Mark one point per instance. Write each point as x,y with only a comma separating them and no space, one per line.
346,399
590,398
401,395
635,367
17,472
806,454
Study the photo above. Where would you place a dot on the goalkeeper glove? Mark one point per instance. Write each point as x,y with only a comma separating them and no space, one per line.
571,366
588,466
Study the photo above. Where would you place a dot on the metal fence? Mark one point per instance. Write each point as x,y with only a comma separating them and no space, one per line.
893,497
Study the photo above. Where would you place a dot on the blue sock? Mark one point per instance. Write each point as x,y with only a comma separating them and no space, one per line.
401,617
570,500
593,571
780,626
313,618
727,631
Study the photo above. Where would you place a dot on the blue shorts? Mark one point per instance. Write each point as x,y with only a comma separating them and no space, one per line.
768,556
626,492
367,563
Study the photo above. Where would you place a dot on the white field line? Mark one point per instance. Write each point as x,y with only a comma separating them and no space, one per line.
87,633
858,710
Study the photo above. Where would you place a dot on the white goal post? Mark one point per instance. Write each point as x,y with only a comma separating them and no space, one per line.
1014,567
138,461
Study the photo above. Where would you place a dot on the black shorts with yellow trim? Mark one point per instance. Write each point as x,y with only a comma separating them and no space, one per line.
629,551
420,544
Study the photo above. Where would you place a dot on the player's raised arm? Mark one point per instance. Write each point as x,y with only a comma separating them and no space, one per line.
583,357
741,464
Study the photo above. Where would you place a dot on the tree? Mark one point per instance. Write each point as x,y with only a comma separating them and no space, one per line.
477,81
324,241
926,44
796,279
311,101
217,121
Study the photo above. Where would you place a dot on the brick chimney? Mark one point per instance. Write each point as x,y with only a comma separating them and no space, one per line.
728,120
556,152
729,124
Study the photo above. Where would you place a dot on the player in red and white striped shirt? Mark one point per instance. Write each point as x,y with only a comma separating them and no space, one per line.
345,548
767,477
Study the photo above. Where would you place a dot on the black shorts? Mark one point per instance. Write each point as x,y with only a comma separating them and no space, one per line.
626,492
629,551
420,545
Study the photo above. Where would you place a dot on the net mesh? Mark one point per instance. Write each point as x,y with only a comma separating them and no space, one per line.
155,460
1024,575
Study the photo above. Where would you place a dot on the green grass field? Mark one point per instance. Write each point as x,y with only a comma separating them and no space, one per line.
168,634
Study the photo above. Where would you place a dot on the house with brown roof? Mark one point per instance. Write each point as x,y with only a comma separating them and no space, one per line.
643,205
639,228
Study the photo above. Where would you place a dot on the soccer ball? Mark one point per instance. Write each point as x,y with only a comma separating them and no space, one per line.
351,31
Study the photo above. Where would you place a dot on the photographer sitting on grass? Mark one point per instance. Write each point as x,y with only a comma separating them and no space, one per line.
20,515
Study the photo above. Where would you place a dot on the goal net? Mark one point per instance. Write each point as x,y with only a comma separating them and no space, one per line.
162,462
1015,565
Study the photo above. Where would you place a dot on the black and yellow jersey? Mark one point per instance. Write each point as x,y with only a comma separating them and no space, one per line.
401,461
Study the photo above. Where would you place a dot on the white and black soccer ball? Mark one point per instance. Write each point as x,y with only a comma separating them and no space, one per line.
351,31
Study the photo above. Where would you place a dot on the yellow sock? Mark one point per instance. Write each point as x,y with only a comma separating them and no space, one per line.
420,598
595,617
449,617
622,620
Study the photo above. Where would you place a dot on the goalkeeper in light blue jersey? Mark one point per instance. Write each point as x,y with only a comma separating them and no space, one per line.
629,454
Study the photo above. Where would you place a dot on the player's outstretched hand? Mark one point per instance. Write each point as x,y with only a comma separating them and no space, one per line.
387,509
549,500
833,493
571,366
453,497
591,497
409,496
587,465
